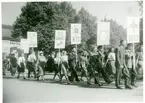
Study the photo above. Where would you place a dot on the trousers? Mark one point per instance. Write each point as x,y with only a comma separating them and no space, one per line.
125,73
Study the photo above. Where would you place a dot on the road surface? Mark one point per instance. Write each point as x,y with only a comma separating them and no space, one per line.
19,90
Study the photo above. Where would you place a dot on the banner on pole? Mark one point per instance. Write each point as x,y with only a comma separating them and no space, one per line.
103,33
32,39
24,45
60,36
6,46
133,30
75,33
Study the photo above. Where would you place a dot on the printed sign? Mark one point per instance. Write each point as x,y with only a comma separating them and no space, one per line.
24,45
15,44
32,39
6,46
103,33
133,30
60,36
75,33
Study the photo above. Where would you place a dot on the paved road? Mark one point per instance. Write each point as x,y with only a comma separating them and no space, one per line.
15,90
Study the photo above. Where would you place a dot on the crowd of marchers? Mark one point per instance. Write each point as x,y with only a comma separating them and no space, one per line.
93,65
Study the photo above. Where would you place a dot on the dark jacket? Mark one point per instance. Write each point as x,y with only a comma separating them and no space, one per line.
120,56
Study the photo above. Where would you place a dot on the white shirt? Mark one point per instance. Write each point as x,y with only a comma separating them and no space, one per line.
64,58
56,60
32,58
111,56
21,60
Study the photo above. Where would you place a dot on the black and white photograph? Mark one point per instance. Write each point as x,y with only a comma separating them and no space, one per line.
72,51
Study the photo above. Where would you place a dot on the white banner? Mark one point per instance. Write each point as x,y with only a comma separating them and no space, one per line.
60,36
32,39
15,44
24,45
6,46
75,33
103,33
133,30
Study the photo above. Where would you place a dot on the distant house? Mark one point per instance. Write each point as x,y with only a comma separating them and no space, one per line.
8,42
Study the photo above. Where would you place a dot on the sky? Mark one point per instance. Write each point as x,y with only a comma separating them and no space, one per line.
116,10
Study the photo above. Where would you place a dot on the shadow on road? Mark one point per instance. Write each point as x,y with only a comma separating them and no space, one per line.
81,84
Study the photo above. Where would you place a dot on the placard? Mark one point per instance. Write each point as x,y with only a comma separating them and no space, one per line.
24,45
75,33
32,39
6,46
133,30
103,33
60,36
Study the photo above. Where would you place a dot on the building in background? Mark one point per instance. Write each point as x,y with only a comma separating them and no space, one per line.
9,44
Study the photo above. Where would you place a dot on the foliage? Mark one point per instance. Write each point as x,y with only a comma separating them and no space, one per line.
46,17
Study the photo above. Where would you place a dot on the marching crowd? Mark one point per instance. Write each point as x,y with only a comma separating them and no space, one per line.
96,64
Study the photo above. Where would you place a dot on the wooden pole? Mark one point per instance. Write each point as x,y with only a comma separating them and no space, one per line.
59,55
133,52
103,54
76,53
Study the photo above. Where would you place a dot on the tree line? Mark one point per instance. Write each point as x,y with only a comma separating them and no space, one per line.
46,17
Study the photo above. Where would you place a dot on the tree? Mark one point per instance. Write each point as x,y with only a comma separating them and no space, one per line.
89,27
44,18
140,4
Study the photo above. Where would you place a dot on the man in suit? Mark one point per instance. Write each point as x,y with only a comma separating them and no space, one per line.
73,65
121,66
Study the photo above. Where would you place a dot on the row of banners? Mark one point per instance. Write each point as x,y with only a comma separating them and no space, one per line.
103,35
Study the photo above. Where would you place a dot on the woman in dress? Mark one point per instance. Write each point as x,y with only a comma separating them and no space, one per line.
41,66
21,66
56,67
111,62
13,65
84,63
64,66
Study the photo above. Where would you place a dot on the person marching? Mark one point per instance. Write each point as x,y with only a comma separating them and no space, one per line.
101,65
32,64
129,63
121,66
110,63
139,62
56,66
21,66
84,62
73,65
64,66
93,72
5,63
13,64
41,62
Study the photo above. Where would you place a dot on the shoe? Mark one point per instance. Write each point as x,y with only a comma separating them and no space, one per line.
118,87
77,80
128,87
68,82
134,85
109,82
88,83
101,84
44,81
